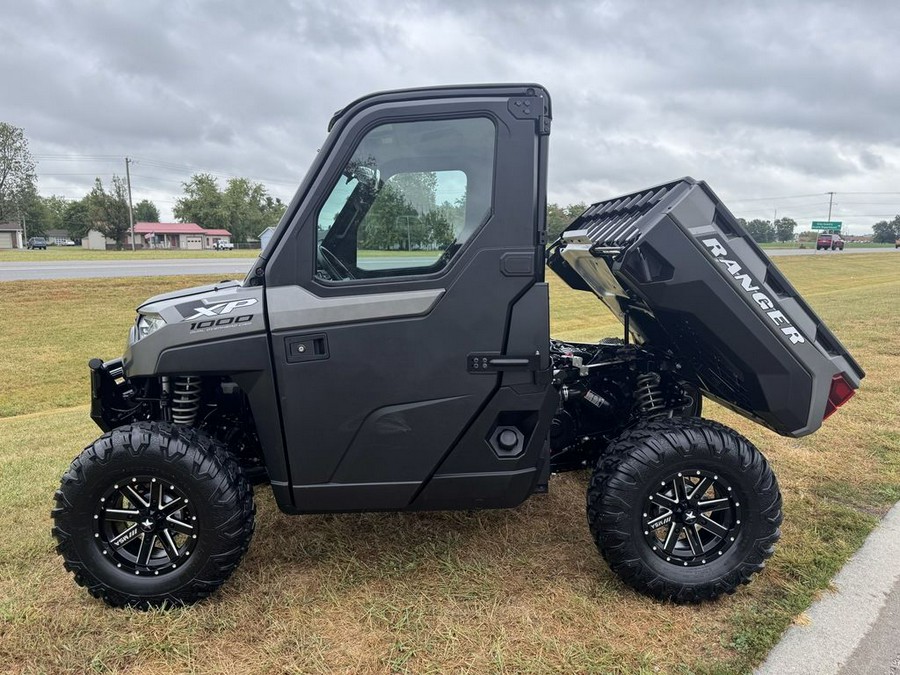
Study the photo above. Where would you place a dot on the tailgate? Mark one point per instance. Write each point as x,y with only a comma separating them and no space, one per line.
673,263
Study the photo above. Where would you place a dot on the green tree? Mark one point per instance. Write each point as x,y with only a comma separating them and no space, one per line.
76,219
391,223
784,229
760,230
56,207
109,209
557,221
33,211
201,203
439,232
18,183
244,207
145,211
560,217
885,232
575,210
249,209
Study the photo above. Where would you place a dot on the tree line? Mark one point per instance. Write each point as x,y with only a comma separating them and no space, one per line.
886,232
405,216
243,207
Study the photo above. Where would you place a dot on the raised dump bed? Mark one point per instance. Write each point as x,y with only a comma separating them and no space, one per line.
682,274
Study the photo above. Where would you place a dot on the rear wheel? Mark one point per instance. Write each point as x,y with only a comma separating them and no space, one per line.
153,514
684,509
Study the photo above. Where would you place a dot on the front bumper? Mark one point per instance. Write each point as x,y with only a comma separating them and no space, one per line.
112,395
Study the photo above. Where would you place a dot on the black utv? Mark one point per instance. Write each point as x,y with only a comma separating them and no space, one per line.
390,350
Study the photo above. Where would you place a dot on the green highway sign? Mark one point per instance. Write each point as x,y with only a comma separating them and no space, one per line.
827,225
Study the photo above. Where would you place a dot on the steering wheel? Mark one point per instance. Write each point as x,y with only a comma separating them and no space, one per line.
337,269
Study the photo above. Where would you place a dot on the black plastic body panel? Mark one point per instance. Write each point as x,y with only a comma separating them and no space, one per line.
693,281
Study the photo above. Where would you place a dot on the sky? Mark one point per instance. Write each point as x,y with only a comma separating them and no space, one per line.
774,104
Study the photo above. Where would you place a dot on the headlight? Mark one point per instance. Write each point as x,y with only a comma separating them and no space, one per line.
148,323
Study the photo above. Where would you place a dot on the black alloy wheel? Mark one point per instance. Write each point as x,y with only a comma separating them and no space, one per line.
684,509
153,515
692,518
146,526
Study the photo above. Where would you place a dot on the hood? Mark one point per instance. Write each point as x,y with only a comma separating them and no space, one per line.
186,293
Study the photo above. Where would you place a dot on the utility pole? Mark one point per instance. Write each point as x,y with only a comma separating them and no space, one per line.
130,210
830,200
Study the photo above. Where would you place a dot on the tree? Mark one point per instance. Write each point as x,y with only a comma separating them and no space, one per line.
784,229
885,232
249,209
202,202
145,211
760,230
244,208
76,219
18,186
109,209
56,207
560,217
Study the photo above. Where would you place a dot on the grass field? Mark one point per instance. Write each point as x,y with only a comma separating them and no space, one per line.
512,591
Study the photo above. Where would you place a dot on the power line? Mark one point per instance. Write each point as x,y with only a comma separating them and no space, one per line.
761,199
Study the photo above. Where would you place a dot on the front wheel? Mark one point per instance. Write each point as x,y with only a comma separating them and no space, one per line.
684,509
153,514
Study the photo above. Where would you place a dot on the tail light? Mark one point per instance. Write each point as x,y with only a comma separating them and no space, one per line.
840,393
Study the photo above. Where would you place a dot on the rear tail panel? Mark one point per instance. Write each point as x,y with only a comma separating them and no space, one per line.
691,279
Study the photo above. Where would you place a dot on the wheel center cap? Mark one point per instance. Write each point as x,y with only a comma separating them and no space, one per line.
146,525
690,516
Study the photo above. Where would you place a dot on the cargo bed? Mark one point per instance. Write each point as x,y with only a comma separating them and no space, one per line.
675,266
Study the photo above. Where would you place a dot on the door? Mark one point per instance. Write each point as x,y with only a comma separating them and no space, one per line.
394,286
6,240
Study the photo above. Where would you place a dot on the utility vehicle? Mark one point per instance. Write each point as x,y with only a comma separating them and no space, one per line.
390,350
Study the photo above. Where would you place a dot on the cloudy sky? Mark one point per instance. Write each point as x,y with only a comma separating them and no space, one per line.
773,103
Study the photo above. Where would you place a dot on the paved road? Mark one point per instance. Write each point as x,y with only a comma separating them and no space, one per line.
228,267
856,629
82,269
237,267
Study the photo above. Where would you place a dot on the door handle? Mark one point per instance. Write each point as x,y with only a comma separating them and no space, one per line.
300,348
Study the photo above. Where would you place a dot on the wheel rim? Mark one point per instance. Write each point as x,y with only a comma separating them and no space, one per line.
692,518
146,526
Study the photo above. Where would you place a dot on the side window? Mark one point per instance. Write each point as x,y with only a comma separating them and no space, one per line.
412,194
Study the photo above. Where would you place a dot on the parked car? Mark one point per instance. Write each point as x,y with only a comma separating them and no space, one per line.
222,245
37,242
830,241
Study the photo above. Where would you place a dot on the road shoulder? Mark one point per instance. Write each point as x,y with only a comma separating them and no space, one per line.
849,630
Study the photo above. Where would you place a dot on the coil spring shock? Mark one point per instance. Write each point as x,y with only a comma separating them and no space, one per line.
185,400
649,397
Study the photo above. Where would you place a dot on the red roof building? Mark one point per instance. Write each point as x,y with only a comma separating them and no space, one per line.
177,235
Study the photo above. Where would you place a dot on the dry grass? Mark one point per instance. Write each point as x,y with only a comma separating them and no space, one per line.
50,329
504,591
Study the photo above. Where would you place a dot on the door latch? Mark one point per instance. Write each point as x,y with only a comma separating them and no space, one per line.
494,362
